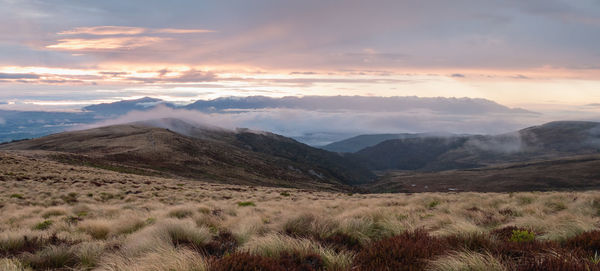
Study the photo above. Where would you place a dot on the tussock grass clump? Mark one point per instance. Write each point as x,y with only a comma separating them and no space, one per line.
181,213
161,259
89,253
99,229
274,245
52,257
408,251
466,260
11,264
16,242
184,233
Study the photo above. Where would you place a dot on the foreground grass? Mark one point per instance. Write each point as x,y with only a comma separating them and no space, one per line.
79,218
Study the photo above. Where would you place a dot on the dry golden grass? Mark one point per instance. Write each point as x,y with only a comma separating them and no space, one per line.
111,221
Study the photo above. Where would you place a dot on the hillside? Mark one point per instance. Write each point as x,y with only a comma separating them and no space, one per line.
549,141
360,142
569,173
203,153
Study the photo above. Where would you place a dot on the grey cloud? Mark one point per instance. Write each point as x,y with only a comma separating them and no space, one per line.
18,76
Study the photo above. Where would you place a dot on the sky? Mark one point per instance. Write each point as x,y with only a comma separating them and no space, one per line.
541,55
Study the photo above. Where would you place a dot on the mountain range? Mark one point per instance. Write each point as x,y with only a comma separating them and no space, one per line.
553,156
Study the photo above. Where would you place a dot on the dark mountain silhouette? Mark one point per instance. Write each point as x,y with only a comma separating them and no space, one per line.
125,106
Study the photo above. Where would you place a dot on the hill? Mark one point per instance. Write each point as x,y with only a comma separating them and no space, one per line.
545,142
207,153
568,173
357,143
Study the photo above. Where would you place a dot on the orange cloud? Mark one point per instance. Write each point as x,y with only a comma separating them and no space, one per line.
104,30
105,43
128,30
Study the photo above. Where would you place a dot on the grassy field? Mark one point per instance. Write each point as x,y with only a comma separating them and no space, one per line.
66,217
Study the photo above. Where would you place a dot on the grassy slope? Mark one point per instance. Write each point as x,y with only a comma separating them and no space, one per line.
113,221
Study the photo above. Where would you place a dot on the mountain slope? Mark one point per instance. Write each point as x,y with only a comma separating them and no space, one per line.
360,142
204,154
549,141
567,173
125,106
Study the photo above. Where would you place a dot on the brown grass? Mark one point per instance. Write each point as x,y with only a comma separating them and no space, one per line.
131,222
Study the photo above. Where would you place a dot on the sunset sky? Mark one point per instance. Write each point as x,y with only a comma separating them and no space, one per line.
531,54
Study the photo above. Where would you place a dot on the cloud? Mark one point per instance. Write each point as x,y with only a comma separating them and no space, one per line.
128,30
319,127
18,76
459,75
104,30
80,44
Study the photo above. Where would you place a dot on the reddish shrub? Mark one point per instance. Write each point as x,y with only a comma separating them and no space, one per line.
222,244
287,262
557,261
246,262
295,262
588,241
472,242
408,251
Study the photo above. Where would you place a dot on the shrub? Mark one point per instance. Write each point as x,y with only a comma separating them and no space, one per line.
17,196
290,262
246,203
246,262
522,236
408,251
506,233
433,204
222,244
588,241
471,242
556,261
53,212
285,194
44,225
70,198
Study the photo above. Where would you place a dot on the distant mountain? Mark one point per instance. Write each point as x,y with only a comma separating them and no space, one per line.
372,104
208,153
549,141
125,106
360,142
